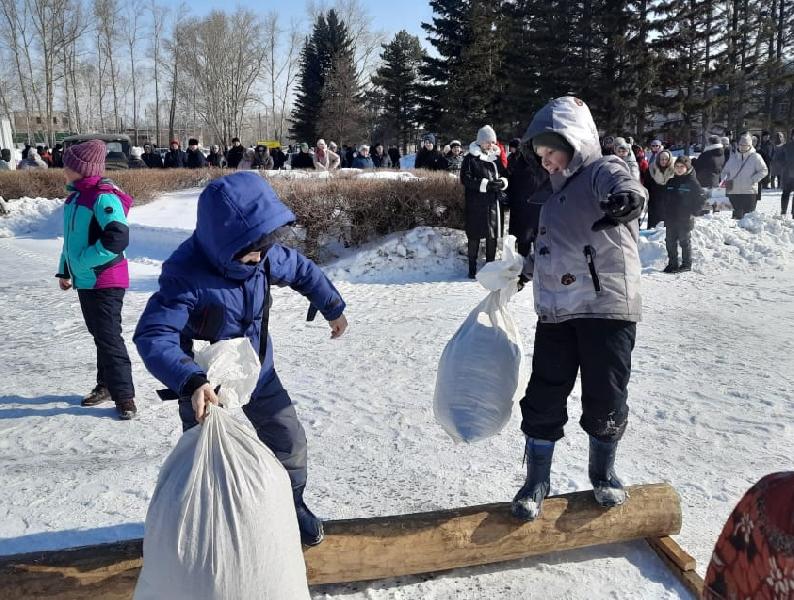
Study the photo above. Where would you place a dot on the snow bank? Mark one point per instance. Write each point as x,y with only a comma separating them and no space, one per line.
406,256
719,242
390,175
27,216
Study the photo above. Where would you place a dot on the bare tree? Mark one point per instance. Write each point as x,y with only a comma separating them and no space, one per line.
57,24
11,38
107,16
158,16
225,62
281,67
131,23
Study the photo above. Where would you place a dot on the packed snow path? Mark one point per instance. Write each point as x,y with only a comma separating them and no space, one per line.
711,399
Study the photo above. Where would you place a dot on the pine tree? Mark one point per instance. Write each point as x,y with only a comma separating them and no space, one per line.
397,87
447,35
308,98
328,100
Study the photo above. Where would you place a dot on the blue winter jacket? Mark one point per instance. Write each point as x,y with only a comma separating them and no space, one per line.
207,295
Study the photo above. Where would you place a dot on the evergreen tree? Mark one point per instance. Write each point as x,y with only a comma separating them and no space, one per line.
309,94
397,87
328,99
446,34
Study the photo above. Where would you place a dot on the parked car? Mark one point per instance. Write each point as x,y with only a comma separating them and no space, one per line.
118,146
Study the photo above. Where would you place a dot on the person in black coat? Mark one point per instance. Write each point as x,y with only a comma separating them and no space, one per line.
485,186
429,157
279,158
215,157
684,199
394,157
57,156
303,159
151,157
379,157
135,161
175,158
235,154
708,167
526,177
194,159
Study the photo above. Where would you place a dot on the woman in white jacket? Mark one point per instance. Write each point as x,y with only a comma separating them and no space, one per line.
741,174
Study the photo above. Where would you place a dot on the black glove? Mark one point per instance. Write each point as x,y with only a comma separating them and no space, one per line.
522,281
495,186
622,207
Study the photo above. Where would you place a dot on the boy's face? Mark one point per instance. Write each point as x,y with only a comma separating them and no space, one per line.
623,152
428,144
455,150
252,258
680,168
554,161
174,146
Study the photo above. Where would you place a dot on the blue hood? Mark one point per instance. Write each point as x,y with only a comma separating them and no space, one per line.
233,212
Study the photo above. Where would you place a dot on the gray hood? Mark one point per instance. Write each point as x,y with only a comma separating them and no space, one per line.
570,118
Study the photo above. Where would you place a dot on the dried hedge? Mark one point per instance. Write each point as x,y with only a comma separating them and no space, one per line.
344,208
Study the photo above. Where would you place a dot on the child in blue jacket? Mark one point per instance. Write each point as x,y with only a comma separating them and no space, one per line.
216,286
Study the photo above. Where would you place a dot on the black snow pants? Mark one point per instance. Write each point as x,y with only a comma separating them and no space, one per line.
788,187
102,314
679,234
474,251
601,349
743,204
273,416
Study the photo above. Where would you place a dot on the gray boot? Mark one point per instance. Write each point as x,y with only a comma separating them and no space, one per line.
528,501
607,488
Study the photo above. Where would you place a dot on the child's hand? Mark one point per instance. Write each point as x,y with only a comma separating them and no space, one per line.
338,327
200,398
66,284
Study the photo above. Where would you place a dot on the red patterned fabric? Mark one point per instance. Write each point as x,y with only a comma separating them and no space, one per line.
754,555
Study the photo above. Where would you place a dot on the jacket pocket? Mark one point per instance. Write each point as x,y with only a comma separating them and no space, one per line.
589,255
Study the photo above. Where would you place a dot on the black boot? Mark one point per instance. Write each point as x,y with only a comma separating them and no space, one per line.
310,526
607,488
126,409
528,502
473,269
671,268
98,395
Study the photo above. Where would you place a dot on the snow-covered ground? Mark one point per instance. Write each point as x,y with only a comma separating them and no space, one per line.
711,398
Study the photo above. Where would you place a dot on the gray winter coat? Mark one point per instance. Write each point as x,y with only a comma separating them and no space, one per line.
784,161
579,273
745,170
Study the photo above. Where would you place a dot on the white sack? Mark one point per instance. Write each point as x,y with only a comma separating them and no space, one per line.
234,365
221,524
480,368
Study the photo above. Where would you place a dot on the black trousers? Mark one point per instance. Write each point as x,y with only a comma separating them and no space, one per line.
102,314
788,187
679,235
474,251
273,416
601,349
743,204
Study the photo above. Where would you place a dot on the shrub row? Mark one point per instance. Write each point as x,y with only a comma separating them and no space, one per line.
344,208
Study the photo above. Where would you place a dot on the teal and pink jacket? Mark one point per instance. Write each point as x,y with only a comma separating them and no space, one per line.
95,235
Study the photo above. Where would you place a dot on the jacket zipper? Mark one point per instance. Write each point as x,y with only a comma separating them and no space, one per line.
589,254
68,236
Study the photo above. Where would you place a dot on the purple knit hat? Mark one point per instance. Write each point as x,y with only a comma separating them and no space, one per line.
87,158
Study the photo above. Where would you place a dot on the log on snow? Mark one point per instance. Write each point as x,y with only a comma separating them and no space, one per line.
378,548
680,563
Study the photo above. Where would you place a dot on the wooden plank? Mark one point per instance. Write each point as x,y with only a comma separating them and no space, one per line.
383,547
666,544
689,577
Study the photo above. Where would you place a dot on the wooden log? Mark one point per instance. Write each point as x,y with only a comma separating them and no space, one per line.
369,549
681,564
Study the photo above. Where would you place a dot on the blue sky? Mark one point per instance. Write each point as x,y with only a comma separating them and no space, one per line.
390,16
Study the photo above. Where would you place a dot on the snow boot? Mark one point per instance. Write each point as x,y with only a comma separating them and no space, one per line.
126,409
607,488
98,395
473,269
670,268
528,501
310,526
684,268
